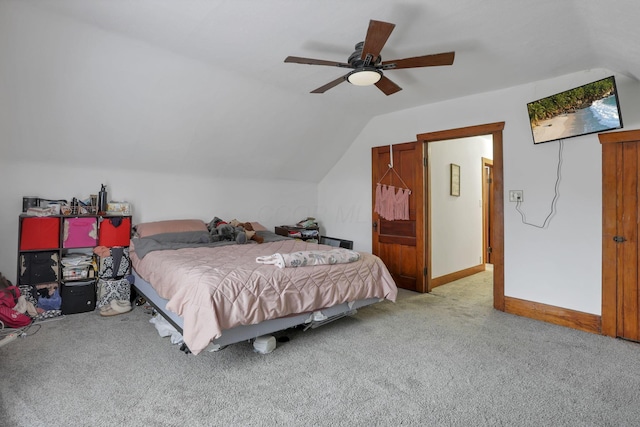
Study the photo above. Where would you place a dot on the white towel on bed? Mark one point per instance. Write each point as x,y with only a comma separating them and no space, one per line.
275,259
310,258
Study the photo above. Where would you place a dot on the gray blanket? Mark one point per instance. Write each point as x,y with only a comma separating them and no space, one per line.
189,239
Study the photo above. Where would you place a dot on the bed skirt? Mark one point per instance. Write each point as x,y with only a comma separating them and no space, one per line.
250,332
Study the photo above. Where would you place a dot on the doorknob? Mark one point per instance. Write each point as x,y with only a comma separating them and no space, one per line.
619,239
375,225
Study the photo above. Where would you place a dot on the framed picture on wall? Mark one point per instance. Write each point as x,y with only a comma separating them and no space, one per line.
455,180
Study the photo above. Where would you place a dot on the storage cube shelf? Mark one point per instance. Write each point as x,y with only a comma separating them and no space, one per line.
46,243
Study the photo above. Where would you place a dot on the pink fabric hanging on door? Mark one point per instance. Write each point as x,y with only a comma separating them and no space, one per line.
401,203
392,203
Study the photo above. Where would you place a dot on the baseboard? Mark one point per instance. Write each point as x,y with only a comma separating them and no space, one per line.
448,278
556,315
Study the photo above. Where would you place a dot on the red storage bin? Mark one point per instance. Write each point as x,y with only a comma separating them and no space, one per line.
114,231
80,232
39,233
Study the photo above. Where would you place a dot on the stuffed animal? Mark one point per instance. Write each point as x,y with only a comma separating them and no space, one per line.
249,231
214,223
220,231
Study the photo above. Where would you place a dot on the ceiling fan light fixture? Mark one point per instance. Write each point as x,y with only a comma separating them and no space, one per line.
364,77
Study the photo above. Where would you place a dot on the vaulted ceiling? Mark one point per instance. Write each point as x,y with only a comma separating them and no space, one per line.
201,87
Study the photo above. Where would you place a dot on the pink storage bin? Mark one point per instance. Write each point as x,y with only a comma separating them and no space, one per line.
80,232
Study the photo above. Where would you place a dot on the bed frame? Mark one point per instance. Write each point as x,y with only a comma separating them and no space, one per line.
250,332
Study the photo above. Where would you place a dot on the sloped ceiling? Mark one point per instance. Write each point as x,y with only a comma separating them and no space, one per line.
200,87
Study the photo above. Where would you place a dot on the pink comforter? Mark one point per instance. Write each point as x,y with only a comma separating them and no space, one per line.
214,289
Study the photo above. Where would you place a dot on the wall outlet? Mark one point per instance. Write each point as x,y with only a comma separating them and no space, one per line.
516,195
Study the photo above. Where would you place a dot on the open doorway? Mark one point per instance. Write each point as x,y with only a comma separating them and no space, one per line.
494,131
459,195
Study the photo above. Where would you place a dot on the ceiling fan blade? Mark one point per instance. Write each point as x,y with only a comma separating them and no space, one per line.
309,61
387,86
336,82
420,61
377,36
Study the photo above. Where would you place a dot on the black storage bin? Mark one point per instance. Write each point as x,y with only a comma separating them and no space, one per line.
38,267
78,297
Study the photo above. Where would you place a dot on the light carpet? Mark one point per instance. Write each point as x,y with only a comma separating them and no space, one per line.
440,359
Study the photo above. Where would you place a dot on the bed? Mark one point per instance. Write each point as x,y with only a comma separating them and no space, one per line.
218,294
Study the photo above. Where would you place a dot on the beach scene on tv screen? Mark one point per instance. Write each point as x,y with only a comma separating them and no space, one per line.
585,109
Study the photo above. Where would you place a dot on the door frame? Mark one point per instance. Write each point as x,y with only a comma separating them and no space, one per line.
497,236
487,206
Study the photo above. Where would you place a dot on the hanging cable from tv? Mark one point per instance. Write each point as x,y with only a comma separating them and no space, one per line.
555,197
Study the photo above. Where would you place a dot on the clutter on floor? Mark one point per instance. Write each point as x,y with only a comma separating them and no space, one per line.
115,307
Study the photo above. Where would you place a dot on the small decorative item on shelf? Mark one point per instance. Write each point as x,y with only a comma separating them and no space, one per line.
118,208
102,199
93,203
74,206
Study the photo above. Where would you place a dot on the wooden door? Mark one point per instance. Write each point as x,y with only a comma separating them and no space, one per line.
400,243
620,216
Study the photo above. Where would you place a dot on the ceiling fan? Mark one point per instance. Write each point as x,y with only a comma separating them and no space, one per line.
367,65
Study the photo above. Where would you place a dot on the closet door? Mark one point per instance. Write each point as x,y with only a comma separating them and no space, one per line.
401,243
621,196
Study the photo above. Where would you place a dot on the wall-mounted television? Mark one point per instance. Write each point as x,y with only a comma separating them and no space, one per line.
586,109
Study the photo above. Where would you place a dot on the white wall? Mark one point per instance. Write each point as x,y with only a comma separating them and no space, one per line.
456,221
73,92
73,96
559,265
153,196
